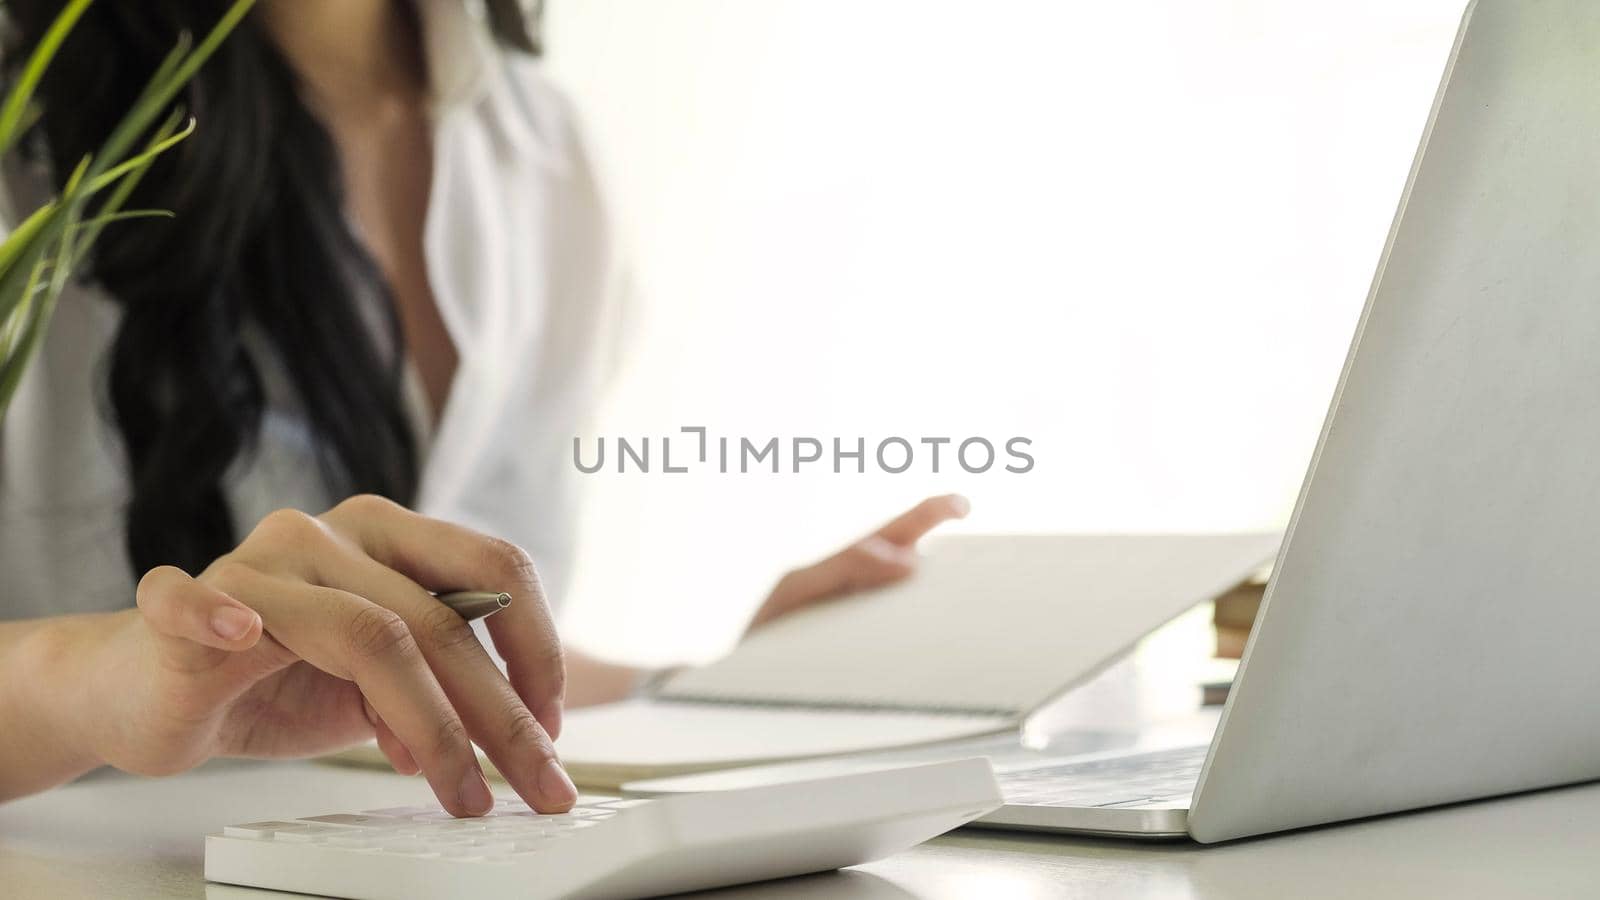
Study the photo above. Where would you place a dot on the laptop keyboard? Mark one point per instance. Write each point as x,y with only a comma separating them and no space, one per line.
1166,776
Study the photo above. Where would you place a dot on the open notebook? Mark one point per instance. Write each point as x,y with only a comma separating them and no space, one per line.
990,629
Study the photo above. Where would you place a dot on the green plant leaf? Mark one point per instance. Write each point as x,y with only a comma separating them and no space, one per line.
143,160
13,111
38,258
21,237
162,89
104,219
27,343
125,188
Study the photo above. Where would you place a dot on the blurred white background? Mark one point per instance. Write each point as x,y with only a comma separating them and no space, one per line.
1139,233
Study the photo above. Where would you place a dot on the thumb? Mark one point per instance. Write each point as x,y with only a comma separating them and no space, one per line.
871,562
868,563
199,623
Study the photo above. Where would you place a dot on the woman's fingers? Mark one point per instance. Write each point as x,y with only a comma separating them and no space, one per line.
494,714
441,557
349,637
868,563
199,624
378,551
883,557
911,525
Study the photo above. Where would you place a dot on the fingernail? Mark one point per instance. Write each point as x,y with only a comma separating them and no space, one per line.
475,796
555,785
889,552
960,506
232,623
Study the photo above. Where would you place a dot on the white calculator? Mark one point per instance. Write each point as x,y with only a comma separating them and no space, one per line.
607,849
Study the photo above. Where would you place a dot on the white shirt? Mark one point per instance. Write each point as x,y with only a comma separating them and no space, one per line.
521,265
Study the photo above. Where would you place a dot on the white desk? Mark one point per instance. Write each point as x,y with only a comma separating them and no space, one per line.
124,837
116,836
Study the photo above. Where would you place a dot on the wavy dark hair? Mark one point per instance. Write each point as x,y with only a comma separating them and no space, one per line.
259,239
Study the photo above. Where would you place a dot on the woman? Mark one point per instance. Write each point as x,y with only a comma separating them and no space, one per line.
388,277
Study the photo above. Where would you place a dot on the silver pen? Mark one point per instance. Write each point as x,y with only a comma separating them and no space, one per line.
471,605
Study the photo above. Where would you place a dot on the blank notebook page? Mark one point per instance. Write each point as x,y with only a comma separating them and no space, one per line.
989,624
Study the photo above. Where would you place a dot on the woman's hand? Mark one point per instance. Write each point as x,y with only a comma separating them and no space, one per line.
319,632
883,557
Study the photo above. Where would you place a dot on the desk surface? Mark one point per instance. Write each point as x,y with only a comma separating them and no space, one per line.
112,835
117,836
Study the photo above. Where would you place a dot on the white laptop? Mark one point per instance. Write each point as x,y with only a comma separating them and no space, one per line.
1428,634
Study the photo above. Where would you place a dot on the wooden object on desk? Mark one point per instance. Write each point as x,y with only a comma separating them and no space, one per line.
1234,614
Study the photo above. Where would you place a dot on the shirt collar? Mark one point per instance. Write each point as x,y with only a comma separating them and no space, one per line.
468,68
459,51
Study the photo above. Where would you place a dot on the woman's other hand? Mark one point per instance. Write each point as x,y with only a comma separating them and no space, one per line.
320,632
881,558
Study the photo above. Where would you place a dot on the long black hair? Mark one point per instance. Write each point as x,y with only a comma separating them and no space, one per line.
259,255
